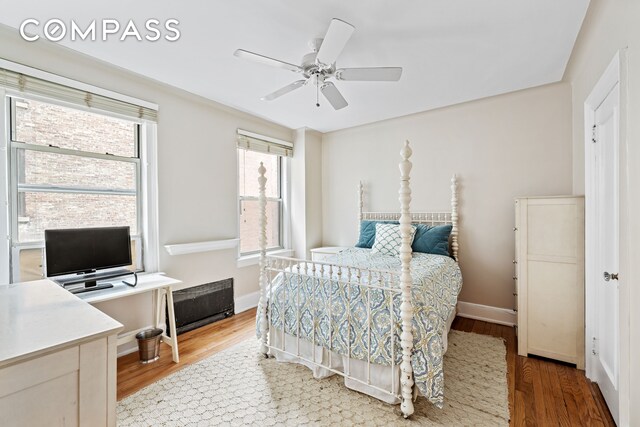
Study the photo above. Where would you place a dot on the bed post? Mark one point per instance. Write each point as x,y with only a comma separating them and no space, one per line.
454,217
406,308
262,211
360,205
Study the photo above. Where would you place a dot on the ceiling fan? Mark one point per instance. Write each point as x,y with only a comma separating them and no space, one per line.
320,65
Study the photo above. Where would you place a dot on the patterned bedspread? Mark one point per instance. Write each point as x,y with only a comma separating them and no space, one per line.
436,283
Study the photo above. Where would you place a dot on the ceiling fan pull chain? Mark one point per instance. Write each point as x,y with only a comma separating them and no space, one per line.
317,93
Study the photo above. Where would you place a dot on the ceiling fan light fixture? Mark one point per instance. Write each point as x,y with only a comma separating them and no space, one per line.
319,66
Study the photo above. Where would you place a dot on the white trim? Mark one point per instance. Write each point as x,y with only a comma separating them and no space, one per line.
5,227
254,259
487,313
191,248
615,74
149,196
607,81
264,138
285,195
54,78
246,302
127,348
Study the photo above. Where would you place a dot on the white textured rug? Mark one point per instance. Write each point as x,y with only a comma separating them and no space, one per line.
240,387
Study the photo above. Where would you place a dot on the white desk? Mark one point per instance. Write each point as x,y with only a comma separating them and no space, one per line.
157,283
57,358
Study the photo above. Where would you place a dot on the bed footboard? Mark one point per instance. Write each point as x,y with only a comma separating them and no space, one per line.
318,301
304,279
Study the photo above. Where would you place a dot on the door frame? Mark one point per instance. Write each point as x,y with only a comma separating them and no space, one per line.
615,74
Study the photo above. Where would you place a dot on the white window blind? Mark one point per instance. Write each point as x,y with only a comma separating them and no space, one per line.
264,144
36,86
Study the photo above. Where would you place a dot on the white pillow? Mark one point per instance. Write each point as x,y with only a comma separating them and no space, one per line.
388,239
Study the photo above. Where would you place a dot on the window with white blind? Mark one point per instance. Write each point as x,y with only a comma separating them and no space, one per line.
75,156
69,168
252,150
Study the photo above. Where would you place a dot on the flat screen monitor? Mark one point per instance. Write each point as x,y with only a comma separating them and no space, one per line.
85,250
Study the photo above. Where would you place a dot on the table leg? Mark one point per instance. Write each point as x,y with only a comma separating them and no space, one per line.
158,302
172,325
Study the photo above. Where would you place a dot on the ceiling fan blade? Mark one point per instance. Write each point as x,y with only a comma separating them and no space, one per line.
373,74
251,56
333,95
284,90
337,36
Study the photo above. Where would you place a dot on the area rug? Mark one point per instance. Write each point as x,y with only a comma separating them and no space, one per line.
239,386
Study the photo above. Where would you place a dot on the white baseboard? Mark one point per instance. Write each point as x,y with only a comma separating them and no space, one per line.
501,316
246,302
128,348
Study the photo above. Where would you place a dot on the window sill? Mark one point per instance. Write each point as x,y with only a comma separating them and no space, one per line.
191,248
254,259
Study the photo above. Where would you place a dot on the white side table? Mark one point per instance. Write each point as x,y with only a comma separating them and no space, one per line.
321,254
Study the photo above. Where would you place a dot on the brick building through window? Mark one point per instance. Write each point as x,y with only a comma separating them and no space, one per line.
69,168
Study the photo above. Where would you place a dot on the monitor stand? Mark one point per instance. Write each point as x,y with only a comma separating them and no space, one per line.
91,285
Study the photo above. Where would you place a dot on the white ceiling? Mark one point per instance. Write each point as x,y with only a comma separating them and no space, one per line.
452,51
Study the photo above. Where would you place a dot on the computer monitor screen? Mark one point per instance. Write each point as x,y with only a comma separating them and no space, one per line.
81,250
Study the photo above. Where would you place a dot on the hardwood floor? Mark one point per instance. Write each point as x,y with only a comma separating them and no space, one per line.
194,346
541,392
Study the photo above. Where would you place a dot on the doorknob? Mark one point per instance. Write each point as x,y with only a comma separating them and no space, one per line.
610,276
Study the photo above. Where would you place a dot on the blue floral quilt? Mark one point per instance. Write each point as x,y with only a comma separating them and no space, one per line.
327,306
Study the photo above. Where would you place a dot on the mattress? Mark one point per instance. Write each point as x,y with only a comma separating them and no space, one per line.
318,308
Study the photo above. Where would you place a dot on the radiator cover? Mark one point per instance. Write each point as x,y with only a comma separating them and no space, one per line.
200,305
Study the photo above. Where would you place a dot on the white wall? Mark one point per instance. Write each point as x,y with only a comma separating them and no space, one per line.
501,147
314,189
610,26
197,166
306,192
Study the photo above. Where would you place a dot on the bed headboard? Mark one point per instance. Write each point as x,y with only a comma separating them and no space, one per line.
431,218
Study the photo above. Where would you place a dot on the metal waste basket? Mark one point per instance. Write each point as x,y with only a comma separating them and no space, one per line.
149,345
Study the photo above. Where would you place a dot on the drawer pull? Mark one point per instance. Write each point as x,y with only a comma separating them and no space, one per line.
514,261
515,228
515,294
515,277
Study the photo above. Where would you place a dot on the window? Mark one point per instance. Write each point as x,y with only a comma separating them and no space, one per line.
69,168
248,163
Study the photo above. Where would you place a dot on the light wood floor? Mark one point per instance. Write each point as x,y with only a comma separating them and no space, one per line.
541,392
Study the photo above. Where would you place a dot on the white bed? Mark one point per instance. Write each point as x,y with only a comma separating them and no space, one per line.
389,359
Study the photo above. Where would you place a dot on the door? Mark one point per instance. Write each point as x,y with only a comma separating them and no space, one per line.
606,339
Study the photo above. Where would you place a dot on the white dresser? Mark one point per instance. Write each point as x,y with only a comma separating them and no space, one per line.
549,277
57,358
321,254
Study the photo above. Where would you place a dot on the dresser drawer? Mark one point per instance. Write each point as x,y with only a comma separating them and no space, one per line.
36,371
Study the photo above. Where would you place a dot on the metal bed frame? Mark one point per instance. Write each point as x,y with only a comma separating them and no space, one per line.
322,273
